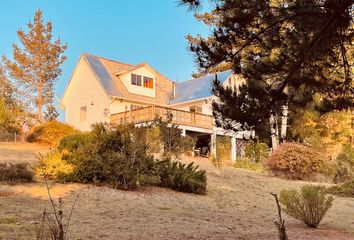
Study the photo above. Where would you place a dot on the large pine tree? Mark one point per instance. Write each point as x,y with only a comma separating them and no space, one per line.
290,52
36,67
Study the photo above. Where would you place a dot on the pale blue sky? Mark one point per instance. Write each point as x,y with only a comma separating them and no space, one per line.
131,31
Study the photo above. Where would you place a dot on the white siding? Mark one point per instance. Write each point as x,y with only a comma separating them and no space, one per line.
143,71
85,91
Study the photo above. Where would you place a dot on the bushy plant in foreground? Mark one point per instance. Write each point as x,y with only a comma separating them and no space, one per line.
50,133
14,173
308,205
118,157
296,161
52,165
181,177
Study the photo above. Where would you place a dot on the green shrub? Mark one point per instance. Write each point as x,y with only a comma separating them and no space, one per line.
296,161
173,143
257,151
181,177
345,165
342,190
74,141
154,139
14,173
246,163
53,166
223,152
118,157
308,205
50,133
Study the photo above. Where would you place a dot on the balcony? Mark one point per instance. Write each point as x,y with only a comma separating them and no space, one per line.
179,117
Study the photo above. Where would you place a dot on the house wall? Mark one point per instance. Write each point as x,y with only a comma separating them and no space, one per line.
118,105
234,81
206,106
85,90
143,71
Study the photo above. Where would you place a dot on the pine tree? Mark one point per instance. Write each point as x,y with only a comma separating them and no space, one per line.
6,89
51,113
36,67
289,52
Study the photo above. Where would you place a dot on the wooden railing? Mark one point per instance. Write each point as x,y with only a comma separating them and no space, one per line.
148,114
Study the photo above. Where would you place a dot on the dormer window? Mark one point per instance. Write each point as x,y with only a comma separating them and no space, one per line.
136,79
148,82
143,81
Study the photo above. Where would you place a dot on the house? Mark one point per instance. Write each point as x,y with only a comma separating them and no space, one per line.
103,90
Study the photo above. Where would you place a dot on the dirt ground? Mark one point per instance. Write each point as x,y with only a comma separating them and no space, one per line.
238,206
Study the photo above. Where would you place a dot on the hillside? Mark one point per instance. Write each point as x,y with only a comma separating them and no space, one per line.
238,206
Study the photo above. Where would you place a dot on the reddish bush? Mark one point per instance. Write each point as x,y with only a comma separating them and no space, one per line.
50,133
297,161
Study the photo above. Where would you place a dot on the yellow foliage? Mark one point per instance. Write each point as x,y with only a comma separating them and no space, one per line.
53,166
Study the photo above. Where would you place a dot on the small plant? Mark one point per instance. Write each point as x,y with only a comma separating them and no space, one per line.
246,163
181,177
223,150
308,205
14,173
343,189
281,223
173,143
257,151
345,165
52,225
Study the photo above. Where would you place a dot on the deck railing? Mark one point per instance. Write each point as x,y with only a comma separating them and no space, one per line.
148,114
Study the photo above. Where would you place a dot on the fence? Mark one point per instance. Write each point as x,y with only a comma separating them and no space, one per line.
179,117
10,137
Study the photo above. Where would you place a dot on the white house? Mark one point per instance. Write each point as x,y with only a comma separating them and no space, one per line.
103,90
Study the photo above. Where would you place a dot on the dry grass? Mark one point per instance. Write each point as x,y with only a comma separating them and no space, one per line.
238,206
20,152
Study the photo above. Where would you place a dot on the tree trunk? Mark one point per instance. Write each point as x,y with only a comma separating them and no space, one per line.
273,131
40,103
284,123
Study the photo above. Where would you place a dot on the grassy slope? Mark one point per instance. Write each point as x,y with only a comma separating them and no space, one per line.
238,206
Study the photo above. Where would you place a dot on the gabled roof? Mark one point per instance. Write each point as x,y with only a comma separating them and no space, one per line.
198,88
107,72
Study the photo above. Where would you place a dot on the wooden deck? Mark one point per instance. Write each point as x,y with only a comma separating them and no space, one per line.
148,114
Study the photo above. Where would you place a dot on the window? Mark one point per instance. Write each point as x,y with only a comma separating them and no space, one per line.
83,113
134,107
195,109
136,80
148,82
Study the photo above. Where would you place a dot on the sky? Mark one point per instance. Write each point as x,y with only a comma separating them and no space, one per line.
131,31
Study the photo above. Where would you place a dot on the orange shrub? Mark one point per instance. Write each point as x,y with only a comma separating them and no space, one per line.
50,133
297,161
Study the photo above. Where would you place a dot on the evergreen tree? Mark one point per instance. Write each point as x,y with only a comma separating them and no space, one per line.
6,89
36,67
51,113
289,52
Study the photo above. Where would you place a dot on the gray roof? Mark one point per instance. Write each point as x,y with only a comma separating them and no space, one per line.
186,91
198,88
103,75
